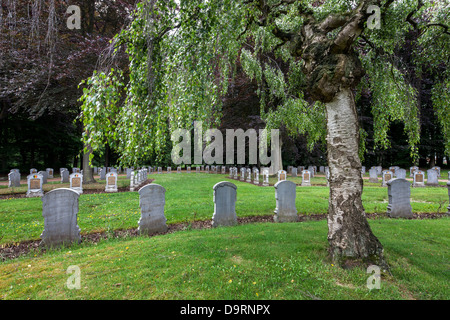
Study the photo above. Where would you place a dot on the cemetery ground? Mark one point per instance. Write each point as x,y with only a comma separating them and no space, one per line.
259,260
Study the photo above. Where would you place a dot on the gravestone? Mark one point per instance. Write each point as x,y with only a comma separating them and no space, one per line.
35,182
412,170
400,173
202,168
159,170
76,182
322,169
285,210
379,170
432,177
132,180
207,169
188,169
95,170
281,175
363,170
256,176
60,212
44,176
33,170
128,171
311,171
103,173
289,169
224,170
399,192
306,178
64,176
249,175
300,169
14,179
197,169
111,182
152,199
49,173
266,173
235,173
294,172
76,170
438,169
387,175
224,204
169,169
419,179
178,169
242,178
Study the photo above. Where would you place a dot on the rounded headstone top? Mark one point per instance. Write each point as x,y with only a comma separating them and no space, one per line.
397,181
224,184
287,182
151,186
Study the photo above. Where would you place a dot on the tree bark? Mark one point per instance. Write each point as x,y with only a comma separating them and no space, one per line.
350,238
88,173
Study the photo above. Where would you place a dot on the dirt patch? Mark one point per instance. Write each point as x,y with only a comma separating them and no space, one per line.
12,251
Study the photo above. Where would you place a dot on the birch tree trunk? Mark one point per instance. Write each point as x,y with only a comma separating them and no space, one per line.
349,235
88,173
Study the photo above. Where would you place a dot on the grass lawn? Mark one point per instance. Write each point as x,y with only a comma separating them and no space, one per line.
190,197
251,261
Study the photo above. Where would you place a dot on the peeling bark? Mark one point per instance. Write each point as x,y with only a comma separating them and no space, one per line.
349,234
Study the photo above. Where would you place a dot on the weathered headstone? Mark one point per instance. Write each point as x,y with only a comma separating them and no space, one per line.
33,170
432,177
60,211
35,182
419,178
103,173
76,170
159,170
285,211
306,178
249,175
438,169
14,179
363,170
111,182
188,169
49,173
132,180
152,199
281,175
224,204
400,173
242,178
235,173
387,175
207,169
178,169
373,175
256,176
76,182
65,176
128,171
322,169
294,172
44,176
399,192
311,171
224,170
197,169
266,173
412,170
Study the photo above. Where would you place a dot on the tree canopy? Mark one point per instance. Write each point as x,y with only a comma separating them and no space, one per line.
182,57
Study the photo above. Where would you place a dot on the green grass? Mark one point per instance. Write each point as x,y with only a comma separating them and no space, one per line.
190,197
253,261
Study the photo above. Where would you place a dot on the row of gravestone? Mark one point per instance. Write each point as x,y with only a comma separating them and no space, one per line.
418,176
35,183
60,208
252,175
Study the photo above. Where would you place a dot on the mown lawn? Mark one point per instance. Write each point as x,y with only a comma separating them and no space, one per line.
252,261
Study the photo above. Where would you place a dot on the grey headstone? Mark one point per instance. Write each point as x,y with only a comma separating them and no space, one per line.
282,175
111,182
294,172
224,204
400,173
14,179
152,199
103,173
256,176
49,173
266,173
412,170
419,179
285,210
242,178
249,175
33,170
76,182
432,177
306,178
386,176
60,211
399,192
35,182
448,187
44,176
65,176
